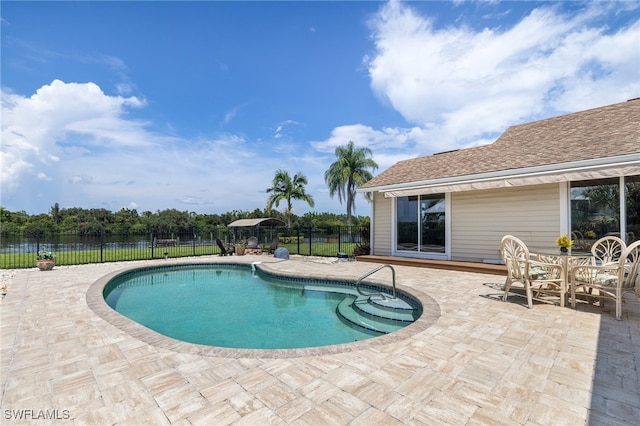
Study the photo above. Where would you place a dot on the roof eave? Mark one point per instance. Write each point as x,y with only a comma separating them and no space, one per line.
620,160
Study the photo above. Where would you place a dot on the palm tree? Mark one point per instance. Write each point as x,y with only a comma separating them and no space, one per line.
285,188
348,172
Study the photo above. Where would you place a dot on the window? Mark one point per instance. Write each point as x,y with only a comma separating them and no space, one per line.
421,223
632,203
595,208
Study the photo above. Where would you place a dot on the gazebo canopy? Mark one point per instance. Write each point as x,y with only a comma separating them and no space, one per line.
264,221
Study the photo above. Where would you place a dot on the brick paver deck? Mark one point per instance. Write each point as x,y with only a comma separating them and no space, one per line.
482,362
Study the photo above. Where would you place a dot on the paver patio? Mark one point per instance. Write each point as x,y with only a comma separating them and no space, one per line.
483,362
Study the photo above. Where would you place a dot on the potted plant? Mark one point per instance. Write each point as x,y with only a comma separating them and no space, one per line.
564,242
239,248
46,260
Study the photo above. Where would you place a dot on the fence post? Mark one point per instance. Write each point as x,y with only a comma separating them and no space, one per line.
101,245
193,242
297,239
37,242
339,238
153,238
310,239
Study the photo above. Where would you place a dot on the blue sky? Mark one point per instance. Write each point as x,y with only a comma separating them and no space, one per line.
195,105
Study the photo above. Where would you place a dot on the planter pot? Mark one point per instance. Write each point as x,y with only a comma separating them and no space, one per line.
240,251
564,249
45,264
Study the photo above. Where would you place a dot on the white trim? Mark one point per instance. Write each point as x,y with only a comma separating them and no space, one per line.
372,223
565,209
421,254
394,227
447,225
623,208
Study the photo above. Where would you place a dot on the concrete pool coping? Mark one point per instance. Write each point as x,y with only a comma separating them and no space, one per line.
484,361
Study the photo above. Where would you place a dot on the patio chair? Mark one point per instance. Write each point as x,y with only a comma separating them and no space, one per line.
274,245
536,276
224,251
608,250
610,281
252,243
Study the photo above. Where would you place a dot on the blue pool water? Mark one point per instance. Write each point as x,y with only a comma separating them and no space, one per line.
232,306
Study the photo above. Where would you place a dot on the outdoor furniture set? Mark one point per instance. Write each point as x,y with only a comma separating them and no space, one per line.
611,271
252,247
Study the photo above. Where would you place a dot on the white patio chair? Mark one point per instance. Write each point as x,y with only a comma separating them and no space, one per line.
611,281
607,250
252,243
536,276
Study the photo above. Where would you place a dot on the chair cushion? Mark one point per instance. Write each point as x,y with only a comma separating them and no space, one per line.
604,280
537,273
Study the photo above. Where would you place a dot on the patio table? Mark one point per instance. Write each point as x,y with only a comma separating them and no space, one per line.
567,260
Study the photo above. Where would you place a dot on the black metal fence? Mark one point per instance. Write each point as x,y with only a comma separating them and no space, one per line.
20,250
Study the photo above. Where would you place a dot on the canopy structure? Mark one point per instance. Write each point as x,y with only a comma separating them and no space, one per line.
264,221
264,229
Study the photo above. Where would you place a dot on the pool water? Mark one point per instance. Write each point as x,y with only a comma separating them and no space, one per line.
234,307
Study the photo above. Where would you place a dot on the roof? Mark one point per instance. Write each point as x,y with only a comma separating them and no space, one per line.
264,221
608,131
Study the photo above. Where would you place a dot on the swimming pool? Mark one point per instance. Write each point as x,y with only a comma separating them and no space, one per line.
231,306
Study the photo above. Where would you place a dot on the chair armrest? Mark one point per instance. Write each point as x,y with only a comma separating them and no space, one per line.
594,274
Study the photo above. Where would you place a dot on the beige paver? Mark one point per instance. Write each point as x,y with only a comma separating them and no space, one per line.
472,360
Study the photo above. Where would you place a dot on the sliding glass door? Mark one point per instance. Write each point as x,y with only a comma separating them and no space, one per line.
595,209
420,224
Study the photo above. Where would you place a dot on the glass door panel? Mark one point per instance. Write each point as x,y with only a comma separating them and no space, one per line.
432,229
407,223
632,203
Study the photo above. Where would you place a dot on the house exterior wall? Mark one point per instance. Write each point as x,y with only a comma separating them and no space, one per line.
479,220
382,226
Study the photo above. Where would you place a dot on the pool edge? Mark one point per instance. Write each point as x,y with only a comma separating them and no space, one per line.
96,302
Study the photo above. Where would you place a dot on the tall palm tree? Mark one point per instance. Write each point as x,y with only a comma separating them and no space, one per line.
348,172
284,188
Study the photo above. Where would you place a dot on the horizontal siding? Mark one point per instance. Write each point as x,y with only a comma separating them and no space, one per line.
481,218
382,227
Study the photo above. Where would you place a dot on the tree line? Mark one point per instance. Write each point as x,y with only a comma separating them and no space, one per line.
90,221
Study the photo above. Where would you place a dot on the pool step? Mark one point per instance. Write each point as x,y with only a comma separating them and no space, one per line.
360,312
365,307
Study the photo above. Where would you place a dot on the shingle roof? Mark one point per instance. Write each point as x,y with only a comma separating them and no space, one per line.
607,131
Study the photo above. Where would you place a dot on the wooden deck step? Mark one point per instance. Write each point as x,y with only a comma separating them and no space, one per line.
450,265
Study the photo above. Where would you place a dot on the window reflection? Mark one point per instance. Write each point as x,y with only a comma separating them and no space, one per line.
595,210
433,220
632,203
407,212
421,223
595,207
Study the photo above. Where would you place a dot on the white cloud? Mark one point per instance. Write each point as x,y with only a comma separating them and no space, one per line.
81,144
279,132
43,176
361,135
36,130
462,86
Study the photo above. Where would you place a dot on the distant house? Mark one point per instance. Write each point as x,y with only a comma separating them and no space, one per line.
539,180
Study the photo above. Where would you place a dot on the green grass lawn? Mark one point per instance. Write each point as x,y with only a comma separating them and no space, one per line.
28,260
